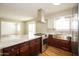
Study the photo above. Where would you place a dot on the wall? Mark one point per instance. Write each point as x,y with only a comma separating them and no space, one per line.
41,27
23,28
48,27
53,16
61,13
26,24
0,27
22,25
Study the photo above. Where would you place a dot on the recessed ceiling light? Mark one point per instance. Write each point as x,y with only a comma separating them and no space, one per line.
56,3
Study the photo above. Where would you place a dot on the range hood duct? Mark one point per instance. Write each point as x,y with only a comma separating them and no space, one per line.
41,16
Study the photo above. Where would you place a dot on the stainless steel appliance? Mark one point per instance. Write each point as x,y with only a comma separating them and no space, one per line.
44,41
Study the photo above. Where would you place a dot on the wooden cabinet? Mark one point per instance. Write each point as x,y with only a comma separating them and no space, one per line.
50,41
24,49
35,47
59,43
11,51
28,48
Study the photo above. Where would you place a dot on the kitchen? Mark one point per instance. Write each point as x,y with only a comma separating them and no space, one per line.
31,29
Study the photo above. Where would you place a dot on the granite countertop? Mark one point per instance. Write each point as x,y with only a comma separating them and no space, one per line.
15,39
60,35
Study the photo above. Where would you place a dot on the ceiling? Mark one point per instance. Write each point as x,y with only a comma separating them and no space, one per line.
26,11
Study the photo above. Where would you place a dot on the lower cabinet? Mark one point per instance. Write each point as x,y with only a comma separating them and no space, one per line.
63,44
11,51
29,48
24,49
34,47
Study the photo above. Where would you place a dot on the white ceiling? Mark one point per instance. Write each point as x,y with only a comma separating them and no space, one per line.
26,11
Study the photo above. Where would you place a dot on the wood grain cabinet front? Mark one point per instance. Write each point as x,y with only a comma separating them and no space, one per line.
28,48
24,49
59,43
35,47
11,51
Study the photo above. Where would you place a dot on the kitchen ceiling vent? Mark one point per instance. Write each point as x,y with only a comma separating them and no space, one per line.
41,16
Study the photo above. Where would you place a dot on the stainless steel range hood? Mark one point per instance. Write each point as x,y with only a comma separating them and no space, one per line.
41,16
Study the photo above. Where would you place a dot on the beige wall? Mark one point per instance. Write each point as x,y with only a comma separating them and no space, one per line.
53,16
0,28
41,27
27,25
23,28
61,13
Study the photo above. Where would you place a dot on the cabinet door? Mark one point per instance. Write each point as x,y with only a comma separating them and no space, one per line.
35,47
50,40
11,51
24,49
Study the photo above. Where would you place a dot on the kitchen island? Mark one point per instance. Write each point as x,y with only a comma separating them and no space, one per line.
15,45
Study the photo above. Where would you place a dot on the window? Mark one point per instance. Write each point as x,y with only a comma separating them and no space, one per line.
62,24
74,25
31,27
18,27
50,23
8,28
